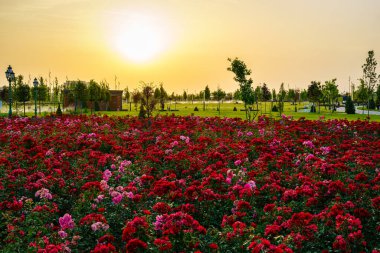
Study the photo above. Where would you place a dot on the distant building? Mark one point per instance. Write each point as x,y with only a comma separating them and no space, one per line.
116,100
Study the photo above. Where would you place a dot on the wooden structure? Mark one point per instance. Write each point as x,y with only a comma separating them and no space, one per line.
116,100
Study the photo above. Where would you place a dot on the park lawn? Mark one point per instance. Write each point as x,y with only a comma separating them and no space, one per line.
227,111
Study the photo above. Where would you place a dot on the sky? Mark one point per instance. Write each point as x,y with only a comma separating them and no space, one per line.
185,43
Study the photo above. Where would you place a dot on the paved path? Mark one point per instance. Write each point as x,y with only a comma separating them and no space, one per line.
359,111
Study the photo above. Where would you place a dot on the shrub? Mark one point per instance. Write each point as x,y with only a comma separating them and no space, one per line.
59,111
274,108
350,107
372,105
196,109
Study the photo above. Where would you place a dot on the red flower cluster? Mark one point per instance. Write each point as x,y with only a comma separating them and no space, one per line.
188,184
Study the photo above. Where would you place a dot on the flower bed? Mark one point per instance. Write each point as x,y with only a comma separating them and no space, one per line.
190,184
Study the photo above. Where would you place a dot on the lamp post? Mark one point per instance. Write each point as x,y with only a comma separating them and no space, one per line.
10,77
35,83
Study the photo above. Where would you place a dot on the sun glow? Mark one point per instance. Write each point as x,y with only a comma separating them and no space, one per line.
139,38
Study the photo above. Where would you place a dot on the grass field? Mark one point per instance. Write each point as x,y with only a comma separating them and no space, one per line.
227,110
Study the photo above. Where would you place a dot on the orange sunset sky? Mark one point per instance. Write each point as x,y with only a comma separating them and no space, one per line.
185,43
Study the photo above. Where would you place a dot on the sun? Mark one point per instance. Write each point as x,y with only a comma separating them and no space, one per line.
139,38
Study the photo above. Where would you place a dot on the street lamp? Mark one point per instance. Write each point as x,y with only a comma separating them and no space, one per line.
10,77
35,83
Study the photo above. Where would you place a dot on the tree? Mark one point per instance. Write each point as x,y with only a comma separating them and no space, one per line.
126,95
258,93
314,93
4,94
80,94
157,93
105,92
18,82
207,93
378,96
148,101
94,93
22,92
42,91
219,94
136,97
184,95
350,107
291,95
281,97
361,94
55,91
266,95
239,68
237,94
274,95
369,75
163,96
330,92
303,95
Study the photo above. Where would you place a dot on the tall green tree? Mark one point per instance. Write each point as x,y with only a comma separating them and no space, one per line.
350,107
81,94
303,95
219,94
126,95
22,91
361,94
163,96
274,95
94,93
369,75
330,92
105,92
207,93
378,95
4,94
148,102
314,93
239,68
281,98
266,94
136,97
42,92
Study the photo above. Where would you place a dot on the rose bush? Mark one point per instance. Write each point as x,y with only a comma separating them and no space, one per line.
190,184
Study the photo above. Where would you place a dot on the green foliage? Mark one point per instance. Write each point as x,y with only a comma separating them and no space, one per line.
239,68
163,96
361,95
4,94
314,92
280,97
237,94
369,71
219,94
330,92
371,104
148,101
274,95
350,107
136,97
207,93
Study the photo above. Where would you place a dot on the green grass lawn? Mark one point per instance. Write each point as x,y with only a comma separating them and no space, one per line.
186,109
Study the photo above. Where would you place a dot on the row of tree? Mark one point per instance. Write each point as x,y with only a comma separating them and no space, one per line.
327,93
